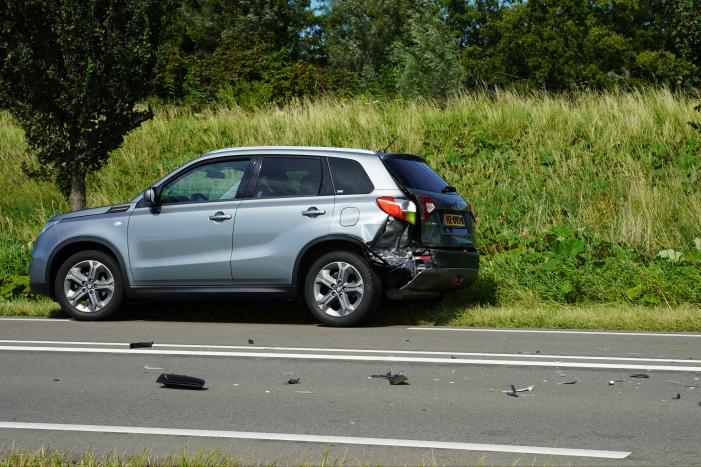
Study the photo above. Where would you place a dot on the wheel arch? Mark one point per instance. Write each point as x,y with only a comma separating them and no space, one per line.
312,250
74,245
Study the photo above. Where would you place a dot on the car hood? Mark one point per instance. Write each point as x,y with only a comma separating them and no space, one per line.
84,213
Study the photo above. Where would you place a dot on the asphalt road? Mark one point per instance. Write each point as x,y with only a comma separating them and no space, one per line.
73,386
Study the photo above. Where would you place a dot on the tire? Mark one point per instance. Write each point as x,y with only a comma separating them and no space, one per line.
74,291
329,302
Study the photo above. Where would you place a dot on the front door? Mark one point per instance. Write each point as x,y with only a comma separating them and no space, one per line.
187,240
290,205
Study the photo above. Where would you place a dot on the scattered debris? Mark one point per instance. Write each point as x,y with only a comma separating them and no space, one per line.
453,357
398,379
395,379
180,381
293,380
304,392
140,345
684,385
514,392
640,375
677,397
537,351
56,380
250,341
146,367
574,381
614,381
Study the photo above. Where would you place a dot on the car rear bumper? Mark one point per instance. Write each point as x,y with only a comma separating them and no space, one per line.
452,270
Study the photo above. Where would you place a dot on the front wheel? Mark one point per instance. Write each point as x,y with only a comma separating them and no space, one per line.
89,286
341,289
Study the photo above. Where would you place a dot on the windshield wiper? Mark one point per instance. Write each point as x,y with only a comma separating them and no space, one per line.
448,189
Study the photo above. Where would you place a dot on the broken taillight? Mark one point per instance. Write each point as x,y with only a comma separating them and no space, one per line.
396,207
427,205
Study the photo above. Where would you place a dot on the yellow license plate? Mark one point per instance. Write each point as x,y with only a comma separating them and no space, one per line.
454,220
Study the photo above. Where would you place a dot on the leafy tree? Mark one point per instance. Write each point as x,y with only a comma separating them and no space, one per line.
686,32
429,64
247,49
359,35
71,74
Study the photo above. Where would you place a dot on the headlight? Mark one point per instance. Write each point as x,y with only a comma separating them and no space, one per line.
47,226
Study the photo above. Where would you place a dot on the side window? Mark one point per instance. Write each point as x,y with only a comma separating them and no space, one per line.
212,182
349,177
289,176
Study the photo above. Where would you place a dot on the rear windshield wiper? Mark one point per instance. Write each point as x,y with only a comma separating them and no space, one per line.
448,189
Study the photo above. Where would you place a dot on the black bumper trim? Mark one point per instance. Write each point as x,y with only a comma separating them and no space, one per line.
434,280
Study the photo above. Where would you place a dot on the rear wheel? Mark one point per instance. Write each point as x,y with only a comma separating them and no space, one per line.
341,289
89,286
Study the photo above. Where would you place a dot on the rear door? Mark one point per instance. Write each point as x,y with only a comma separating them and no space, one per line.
446,219
289,203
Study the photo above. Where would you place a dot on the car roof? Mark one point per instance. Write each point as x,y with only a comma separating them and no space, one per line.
291,151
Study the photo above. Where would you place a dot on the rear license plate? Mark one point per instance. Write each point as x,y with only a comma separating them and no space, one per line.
454,220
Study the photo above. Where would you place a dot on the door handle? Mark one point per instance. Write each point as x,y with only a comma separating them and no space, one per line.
313,212
219,217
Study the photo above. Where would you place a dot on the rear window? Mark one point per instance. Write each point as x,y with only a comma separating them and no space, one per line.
416,174
288,176
349,177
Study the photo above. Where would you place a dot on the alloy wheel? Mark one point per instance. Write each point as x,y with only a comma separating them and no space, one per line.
338,289
89,286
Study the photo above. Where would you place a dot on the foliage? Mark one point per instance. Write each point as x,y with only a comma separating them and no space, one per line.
253,52
14,287
575,196
248,50
71,72
428,65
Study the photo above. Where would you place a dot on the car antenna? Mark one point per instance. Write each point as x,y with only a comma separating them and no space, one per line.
384,151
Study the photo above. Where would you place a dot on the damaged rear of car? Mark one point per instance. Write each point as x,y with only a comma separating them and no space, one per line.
427,245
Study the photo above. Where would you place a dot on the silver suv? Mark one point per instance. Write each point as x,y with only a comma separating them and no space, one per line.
339,227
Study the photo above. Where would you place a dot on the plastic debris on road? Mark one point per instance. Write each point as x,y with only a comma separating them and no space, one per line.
170,380
140,345
250,341
294,380
677,397
568,382
515,392
684,385
395,379
640,375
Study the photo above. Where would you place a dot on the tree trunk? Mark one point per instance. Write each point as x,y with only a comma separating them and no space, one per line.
77,196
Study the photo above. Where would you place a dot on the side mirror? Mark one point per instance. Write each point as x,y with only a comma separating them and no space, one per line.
150,197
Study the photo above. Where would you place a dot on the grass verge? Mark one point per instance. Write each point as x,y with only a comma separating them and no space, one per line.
218,458
450,311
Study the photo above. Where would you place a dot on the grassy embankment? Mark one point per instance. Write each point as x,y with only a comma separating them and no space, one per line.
576,197
51,458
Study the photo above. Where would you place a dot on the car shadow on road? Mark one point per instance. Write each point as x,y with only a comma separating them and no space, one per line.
428,311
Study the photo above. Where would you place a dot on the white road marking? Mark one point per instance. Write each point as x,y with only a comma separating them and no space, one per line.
37,320
360,358
376,351
553,331
409,443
